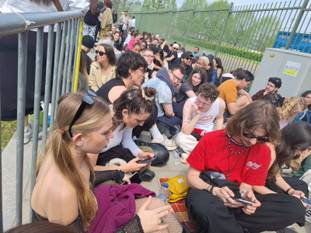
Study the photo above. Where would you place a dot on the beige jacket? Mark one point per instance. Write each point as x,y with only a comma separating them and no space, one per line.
97,78
105,19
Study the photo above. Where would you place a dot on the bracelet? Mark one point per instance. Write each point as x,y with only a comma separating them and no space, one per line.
212,188
209,188
287,190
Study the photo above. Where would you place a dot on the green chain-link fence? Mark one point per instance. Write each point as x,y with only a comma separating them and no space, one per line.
236,34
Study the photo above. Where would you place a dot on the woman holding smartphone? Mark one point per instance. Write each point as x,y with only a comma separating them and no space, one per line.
64,192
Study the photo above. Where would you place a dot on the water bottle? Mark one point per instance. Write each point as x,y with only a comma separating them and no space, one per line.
164,192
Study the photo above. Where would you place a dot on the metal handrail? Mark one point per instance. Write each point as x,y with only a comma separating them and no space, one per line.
11,23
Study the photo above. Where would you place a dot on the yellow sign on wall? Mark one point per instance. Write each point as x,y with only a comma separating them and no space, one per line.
291,68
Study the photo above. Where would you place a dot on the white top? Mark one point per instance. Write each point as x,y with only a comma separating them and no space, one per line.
132,23
23,6
206,120
123,135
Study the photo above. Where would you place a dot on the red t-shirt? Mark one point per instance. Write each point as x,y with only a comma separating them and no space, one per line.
213,153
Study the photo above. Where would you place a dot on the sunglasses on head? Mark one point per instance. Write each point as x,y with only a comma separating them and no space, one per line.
87,101
100,53
258,138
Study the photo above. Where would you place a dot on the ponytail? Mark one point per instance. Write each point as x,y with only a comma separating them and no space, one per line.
87,204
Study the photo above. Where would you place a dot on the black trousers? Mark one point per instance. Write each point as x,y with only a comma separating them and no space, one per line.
8,74
118,152
115,152
276,212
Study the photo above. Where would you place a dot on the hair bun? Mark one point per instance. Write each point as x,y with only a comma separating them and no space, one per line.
148,93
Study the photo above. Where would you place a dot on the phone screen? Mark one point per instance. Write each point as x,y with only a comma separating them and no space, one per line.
149,160
243,201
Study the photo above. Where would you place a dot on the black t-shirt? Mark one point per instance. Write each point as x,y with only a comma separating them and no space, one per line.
175,61
181,95
105,89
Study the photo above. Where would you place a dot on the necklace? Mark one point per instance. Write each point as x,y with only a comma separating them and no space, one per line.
234,153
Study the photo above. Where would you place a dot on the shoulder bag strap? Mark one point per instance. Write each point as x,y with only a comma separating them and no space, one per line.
58,5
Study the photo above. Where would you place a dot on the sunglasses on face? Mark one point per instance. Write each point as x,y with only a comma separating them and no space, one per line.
87,101
258,138
100,53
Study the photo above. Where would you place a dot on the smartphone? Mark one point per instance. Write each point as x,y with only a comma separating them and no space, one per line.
243,201
307,201
146,161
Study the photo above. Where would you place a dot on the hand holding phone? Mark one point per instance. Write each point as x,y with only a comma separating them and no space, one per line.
244,201
146,161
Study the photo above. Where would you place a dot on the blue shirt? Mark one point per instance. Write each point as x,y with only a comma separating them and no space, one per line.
164,94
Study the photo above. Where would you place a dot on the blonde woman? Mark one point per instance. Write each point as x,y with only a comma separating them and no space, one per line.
63,191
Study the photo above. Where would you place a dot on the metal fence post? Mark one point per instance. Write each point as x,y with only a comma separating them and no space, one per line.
37,95
71,53
61,61
48,77
297,22
78,55
224,28
56,58
21,92
1,209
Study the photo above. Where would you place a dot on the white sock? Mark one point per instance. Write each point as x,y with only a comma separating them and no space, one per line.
155,133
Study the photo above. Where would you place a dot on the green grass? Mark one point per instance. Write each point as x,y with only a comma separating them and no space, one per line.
7,130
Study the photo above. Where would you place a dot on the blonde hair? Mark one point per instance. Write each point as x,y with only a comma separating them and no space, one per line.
58,147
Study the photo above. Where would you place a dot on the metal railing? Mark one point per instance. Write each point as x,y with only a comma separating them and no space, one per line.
62,33
237,34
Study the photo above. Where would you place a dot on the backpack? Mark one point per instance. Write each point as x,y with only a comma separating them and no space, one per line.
92,19
114,16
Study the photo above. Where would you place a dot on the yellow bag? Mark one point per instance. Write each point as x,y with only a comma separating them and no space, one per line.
178,187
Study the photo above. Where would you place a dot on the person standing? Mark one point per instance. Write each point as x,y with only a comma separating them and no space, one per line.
105,19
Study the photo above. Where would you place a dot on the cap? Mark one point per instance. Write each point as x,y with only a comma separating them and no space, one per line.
176,46
88,41
187,54
276,81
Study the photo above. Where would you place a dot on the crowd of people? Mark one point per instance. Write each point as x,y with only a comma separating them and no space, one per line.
236,146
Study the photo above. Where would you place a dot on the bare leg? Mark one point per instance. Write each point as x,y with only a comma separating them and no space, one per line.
170,219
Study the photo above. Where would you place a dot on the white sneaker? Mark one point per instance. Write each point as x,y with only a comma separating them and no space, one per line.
168,143
308,215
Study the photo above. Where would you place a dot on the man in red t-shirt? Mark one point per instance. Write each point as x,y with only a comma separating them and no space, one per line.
226,165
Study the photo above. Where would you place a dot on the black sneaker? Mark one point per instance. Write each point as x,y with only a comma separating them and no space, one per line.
146,175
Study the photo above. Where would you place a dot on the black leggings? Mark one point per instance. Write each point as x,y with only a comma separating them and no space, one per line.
117,152
276,212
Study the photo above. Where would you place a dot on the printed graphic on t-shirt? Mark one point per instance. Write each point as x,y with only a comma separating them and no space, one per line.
253,165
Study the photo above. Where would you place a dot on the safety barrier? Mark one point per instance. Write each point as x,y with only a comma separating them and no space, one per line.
61,32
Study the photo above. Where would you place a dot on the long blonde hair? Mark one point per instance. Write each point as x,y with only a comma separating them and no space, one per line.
58,146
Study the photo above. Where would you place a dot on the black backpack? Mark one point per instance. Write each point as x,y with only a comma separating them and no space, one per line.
92,19
114,16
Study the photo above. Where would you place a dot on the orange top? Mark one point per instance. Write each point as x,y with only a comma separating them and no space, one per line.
228,91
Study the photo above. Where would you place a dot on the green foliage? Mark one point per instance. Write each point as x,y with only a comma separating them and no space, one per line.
7,130
242,32
239,52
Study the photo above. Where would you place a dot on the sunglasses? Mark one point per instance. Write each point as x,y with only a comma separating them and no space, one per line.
258,138
87,101
100,53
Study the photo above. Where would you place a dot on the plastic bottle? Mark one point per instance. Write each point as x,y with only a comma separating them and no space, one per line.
164,192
